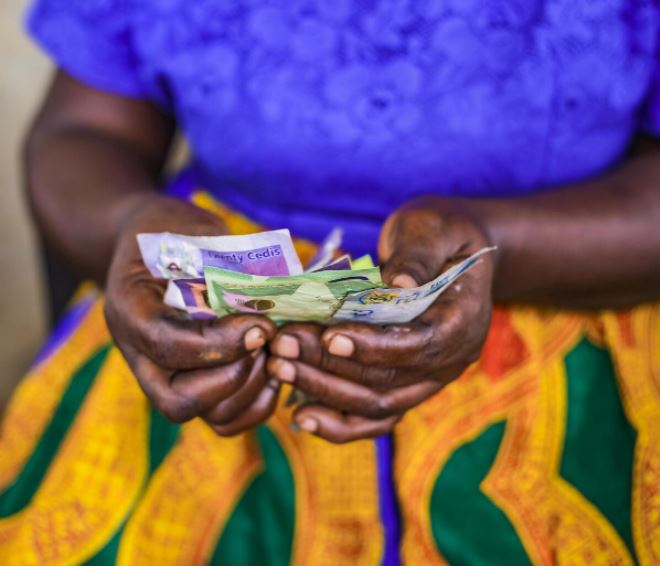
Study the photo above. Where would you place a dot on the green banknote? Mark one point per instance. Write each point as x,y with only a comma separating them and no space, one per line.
363,262
306,297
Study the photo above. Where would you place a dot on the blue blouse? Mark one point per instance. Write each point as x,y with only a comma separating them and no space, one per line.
313,113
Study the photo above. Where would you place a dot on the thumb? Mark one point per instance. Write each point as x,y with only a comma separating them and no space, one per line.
406,269
410,250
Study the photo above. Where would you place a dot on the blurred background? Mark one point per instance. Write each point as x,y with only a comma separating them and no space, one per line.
23,76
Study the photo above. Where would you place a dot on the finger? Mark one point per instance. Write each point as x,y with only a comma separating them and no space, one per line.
434,347
345,395
177,343
462,320
260,411
296,343
181,396
209,386
299,340
173,340
408,269
229,408
409,247
303,342
155,382
391,346
335,427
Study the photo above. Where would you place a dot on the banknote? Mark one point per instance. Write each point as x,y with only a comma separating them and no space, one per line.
363,262
261,273
326,251
342,263
175,256
390,306
189,295
345,262
308,297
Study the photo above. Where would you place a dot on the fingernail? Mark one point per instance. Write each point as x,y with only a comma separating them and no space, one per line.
404,281
283,370
341,345
254,338
287,346
309,425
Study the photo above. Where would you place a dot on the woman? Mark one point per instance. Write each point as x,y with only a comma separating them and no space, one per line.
463,124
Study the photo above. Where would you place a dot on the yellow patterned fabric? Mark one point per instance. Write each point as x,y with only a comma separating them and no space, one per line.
106,488
521,378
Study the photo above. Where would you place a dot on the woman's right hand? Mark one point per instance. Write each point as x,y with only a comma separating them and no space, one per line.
213,369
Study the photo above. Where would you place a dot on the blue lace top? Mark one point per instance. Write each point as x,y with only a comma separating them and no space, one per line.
314,113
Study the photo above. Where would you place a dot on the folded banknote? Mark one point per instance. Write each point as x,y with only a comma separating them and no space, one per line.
175,256
262,274
312,296
327,296
189,295
396,306
327,250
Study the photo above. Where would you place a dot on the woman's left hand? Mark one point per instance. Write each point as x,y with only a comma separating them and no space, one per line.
365,377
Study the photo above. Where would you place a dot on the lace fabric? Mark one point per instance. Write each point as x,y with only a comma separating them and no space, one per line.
310,113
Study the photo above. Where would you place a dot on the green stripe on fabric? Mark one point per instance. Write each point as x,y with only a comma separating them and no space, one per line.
467,527
600,441
260,530
162,438
107,556
20,493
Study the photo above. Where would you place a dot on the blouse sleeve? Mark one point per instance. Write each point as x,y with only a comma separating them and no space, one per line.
91,40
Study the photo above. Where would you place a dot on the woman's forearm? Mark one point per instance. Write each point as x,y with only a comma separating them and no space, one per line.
84,177
593,245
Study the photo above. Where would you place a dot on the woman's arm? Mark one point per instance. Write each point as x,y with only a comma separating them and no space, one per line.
591,245
93,164
90,157
588,246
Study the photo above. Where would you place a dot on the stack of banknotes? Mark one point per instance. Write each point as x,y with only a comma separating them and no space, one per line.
261,273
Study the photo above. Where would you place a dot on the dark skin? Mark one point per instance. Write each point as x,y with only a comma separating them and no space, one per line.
93,162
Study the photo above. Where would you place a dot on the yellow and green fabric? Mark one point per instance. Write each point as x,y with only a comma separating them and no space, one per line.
547,451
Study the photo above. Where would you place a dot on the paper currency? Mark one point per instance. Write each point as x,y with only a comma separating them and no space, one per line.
308,297
342,263
363,262
189,295
345,262
396,306
326,250
261,274
174,256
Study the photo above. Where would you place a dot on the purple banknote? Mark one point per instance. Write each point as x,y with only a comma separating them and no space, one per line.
174,256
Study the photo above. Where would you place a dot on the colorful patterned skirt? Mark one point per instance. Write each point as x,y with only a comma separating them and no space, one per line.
547,451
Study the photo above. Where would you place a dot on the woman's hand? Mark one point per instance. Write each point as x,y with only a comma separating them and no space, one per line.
365,377
213,369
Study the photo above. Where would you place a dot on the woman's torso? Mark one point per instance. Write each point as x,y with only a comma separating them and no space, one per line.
312,113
